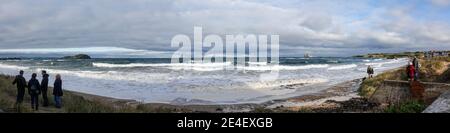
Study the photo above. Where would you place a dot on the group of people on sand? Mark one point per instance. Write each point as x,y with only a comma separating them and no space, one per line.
36,88
412,70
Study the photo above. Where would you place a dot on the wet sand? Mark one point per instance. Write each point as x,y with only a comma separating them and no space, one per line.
340,92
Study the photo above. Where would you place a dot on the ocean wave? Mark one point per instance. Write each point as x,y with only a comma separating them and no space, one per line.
340,67
111,75
13,67
333,61
256,66
281,67
257,63
279,83
380,64
109,65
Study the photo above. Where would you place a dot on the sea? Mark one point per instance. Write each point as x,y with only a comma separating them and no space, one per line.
157,80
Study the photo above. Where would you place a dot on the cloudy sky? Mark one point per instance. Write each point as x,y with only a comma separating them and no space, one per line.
320,27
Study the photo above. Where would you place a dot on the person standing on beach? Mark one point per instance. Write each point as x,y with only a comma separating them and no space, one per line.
370,71
44,87
57,91
21,84
416,68
34,89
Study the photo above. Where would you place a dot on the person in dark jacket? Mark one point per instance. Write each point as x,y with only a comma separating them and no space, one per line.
416,68
21,84
57,91
34,89
370,71
44,87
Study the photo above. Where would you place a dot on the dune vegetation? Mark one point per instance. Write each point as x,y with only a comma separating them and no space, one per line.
431,70
73,102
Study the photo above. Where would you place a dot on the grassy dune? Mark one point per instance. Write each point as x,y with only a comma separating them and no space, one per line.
432,70
74,102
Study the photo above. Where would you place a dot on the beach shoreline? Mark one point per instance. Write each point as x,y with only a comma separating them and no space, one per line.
327,99
345,89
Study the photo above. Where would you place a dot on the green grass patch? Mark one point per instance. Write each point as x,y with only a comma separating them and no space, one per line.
412,106
71,103
369,86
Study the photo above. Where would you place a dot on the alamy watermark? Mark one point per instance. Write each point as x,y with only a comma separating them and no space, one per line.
236,52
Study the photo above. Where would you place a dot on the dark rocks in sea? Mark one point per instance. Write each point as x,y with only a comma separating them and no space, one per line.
78,56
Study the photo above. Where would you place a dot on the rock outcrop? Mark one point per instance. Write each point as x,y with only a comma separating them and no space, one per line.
78,56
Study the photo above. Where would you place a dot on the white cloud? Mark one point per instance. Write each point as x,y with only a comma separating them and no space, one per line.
441,2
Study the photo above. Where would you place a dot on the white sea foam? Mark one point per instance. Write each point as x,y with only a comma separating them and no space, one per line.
161,65
112,75
279,83
256,66
281,67
377,59
257,63
122,65
340,67
380,62
15,67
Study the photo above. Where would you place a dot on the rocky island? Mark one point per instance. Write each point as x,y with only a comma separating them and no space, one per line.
78,56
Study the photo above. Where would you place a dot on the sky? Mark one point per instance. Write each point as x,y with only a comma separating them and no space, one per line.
318,27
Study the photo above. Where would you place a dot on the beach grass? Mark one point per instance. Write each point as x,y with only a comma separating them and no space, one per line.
431,70
412,106
73,102
369,86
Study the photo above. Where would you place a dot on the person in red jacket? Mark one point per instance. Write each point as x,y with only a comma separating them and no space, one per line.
410,71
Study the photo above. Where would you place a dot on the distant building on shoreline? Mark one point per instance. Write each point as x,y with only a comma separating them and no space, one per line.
431,54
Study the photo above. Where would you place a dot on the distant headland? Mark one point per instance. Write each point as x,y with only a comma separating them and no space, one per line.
420,54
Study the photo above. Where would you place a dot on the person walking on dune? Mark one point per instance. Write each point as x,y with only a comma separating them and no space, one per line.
34,89
21,84
416,68
44,87
410,71
57,91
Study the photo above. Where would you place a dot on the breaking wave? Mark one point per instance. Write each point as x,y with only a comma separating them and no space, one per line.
342,67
